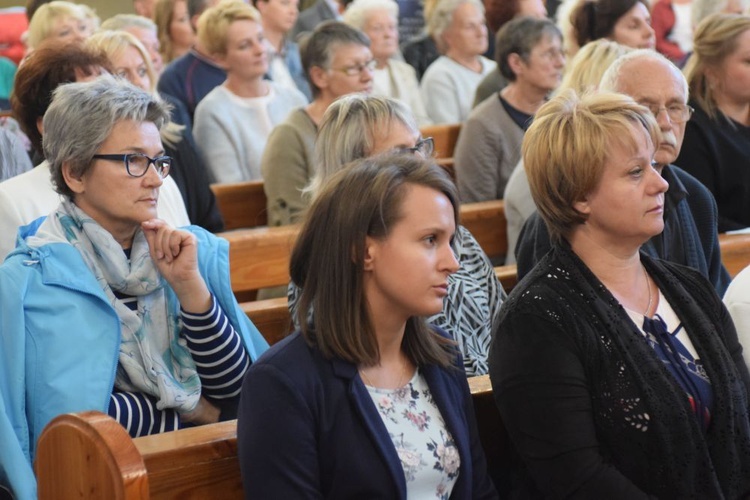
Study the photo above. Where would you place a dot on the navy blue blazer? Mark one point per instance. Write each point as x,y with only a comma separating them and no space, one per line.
307,428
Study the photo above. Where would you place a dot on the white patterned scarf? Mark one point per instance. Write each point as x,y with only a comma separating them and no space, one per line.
153,359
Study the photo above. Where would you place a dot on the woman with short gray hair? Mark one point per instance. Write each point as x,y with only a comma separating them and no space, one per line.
378,19
449,83
529,55
166,344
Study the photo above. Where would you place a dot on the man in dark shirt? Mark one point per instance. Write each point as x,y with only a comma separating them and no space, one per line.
690,214
189,78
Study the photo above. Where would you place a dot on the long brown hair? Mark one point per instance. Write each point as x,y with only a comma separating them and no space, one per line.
364,199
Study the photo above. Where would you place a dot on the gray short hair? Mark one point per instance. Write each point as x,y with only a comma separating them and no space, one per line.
121,22
81,117
520,36
357,11
442,15
347,132
316,49
611,77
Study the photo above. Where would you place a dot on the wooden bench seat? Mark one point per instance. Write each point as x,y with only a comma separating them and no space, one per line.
90,456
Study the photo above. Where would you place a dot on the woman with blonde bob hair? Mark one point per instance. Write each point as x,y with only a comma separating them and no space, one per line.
358,126
368,373
717,143
616,375
61,20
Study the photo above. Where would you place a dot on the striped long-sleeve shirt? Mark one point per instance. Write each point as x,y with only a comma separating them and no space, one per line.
220,359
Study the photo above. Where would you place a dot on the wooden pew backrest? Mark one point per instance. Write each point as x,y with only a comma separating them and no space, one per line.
735,252
259,257
90,456
444,137
486,221
241,204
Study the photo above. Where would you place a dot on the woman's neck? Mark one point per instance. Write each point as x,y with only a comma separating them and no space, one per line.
246,88
619,268
317,108
394,368
523,97
472,62
737,111
275,38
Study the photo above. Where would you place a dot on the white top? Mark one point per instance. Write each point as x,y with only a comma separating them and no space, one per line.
448,89
232,131
665,311
399,81
278,69
737,300
682,31
429,456
28,196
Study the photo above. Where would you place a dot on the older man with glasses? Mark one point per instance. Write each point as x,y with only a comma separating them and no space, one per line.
690,234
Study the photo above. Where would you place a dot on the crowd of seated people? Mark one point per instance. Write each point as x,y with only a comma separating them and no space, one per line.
616,363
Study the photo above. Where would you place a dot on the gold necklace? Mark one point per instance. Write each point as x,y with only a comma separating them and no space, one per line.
648,285
404,377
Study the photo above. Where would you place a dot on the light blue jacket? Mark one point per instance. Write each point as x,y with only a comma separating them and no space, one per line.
60,339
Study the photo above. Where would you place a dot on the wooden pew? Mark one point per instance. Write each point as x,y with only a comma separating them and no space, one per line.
486,221
259,257
735,252
242,204
445,138
89,455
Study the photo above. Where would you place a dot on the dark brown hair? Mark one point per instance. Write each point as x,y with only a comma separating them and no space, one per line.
42,72
595,19
364,199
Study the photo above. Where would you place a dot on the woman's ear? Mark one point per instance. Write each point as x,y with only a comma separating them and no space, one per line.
76,184
319,77
371,250
516,63
582,206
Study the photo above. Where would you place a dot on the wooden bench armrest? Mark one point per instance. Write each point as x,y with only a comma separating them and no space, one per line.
735,252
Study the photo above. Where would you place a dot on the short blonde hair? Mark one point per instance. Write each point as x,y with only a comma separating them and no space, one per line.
114,43
40,26
215,21
565,150
585,70
714,39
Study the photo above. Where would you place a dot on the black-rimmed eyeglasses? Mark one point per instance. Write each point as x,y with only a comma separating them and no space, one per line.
424,147
137,163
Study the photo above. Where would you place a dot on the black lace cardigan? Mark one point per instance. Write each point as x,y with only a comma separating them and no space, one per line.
593,412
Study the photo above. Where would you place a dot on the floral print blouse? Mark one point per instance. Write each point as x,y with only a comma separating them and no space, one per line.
429,456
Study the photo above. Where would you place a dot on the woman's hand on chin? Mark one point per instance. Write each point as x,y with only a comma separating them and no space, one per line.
175,254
